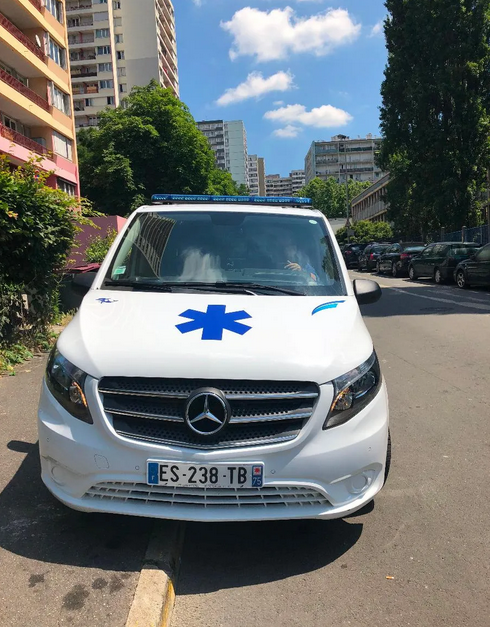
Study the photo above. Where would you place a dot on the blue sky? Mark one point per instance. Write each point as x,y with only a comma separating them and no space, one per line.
305,70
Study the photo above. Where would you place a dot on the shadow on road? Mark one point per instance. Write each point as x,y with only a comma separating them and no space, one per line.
33,524
231,555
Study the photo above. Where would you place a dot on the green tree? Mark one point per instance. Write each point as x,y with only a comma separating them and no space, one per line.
329,196
99,246
221,184
151,145
365,232
435,112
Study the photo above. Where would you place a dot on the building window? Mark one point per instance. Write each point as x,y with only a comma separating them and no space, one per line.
100,1
109,84
105,67
66,187
120,55
55,7
121,71
111,100
101,17
119,39
102,32
118,21
89,102
103,50
123,88
59,99
116,5
55,52
62,146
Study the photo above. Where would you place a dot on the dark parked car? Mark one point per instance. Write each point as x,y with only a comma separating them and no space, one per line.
351,254
396,258
370,255
439,260
475,270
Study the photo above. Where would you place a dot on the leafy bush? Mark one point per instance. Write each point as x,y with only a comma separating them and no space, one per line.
36,232
99,246
365,232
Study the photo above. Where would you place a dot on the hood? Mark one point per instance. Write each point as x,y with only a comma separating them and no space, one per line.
216,336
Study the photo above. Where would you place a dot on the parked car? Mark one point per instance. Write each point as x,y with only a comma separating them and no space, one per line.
439,260
475,270
351,254
370,255
396,258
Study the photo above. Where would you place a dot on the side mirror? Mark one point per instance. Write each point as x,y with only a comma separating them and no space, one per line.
83,281
366,291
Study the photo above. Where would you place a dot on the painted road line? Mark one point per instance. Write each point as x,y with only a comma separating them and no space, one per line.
155,593
474,305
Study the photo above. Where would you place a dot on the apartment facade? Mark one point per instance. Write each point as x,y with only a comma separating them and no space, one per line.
343,157
36,117
277,185
256,175
116,45
228,141
371,204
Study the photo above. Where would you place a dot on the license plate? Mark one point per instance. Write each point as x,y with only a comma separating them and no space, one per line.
205,475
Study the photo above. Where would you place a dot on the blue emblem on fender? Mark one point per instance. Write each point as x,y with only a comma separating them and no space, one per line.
333,304
106,301
214,321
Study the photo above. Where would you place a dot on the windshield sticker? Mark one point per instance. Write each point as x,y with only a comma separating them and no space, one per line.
214,321
106,301
312,221
331,305
119,270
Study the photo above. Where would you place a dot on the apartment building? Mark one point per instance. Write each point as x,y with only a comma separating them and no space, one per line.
343,157
256,175
36,117
277,185
115,45
371,203
228,141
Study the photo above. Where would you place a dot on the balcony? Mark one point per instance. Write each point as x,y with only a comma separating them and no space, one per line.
24,40
85,89
77,24
77,6
22,140
80,40
76,73
38,4
24,90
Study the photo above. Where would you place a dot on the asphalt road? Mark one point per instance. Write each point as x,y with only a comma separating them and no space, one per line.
57,566
429,527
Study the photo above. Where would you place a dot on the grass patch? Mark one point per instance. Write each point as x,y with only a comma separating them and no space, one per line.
12,355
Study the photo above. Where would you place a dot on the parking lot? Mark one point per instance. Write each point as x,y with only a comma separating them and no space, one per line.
419,556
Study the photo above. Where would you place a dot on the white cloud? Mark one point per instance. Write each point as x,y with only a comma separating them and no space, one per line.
287,132
272,35
377,29
255,86
278,103
320,117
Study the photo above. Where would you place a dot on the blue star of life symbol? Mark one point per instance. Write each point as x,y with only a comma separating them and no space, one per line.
214,321
106,301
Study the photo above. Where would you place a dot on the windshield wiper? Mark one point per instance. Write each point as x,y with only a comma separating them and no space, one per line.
139,285
260,286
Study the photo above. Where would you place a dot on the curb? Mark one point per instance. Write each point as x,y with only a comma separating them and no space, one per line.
154,598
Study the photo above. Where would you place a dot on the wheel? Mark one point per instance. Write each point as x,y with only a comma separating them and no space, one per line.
388,457
438,276
394,270
461,280
411,274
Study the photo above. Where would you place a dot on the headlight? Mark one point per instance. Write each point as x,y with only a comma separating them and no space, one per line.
353,391
66,383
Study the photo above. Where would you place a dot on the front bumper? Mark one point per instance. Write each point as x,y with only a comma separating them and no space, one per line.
334,472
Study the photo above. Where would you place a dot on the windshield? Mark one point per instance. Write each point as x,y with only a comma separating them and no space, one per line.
200,247
461,251
414,249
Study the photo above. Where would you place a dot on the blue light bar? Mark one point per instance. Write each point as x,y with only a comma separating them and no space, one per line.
164,199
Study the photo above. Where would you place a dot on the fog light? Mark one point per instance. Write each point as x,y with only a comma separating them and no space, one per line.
58,474
361,482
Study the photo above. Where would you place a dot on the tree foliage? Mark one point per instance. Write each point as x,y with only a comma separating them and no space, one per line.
435,112
365,232
329,196
99,246
36,233
151,145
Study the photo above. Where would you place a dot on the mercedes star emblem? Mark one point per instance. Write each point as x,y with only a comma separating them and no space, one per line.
207,411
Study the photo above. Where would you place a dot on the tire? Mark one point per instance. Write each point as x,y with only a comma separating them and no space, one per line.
388,457
411,274
461,280
438,278
394,271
